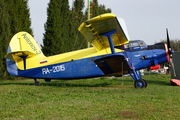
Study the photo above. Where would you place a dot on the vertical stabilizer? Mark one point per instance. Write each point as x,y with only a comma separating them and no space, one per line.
21,48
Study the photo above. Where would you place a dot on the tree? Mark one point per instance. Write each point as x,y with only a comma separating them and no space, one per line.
56,37
19,16
14,17
77,17
175,44
102,9
99,9
5,34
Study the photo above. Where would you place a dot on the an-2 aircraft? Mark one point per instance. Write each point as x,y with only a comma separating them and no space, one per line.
112,54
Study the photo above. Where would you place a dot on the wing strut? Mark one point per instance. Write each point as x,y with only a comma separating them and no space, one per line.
108,34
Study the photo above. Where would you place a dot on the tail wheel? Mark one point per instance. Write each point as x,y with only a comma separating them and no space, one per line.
37,83
140,83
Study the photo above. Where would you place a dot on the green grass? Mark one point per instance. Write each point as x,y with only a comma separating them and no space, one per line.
93,99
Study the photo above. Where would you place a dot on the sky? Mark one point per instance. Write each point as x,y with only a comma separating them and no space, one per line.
145,19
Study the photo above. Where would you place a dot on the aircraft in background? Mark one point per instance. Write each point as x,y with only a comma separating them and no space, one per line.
112,54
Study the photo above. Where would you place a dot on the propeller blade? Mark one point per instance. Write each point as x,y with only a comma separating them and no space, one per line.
168,41
170,53
172,66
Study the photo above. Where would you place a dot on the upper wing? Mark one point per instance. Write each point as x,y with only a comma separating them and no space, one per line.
91,29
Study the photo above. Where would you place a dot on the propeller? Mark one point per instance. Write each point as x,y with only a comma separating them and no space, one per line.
168,41
170,52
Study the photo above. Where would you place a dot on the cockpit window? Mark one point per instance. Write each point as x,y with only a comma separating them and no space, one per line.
142,44
135,45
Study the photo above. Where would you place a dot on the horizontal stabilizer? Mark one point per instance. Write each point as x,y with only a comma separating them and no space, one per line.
16,55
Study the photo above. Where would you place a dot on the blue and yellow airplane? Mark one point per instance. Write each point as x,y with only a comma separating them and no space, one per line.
112,54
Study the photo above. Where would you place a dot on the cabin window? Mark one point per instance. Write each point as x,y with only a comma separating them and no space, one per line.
134,45
126,46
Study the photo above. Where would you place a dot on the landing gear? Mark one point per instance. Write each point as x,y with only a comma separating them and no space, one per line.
37,83
140,83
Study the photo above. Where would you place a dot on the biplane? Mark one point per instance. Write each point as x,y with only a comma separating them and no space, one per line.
112,54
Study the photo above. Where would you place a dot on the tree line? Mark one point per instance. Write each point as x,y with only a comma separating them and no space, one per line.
175,44
14,17
61,29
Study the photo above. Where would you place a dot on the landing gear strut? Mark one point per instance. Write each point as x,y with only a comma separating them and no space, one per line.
37,83
139,82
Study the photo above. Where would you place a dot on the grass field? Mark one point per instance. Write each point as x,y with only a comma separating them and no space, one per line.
94,99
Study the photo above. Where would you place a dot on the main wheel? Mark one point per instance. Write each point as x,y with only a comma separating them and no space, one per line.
145,83
140,83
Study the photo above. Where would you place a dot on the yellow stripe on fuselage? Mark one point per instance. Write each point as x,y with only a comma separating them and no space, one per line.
65,57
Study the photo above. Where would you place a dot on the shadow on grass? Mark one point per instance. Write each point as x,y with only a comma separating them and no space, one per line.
60,84
65,84
159,82
99,82
158,79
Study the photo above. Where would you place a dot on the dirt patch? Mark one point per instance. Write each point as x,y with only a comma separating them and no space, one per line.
128,114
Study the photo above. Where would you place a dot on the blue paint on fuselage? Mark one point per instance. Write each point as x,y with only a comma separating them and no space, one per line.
11,65
73,69
156,54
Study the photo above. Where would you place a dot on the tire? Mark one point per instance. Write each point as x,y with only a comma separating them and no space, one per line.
145,83
140,83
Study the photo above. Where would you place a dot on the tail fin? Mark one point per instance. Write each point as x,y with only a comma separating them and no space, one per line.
24,43
21,47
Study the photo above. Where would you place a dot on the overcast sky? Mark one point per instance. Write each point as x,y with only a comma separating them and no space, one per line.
145,19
